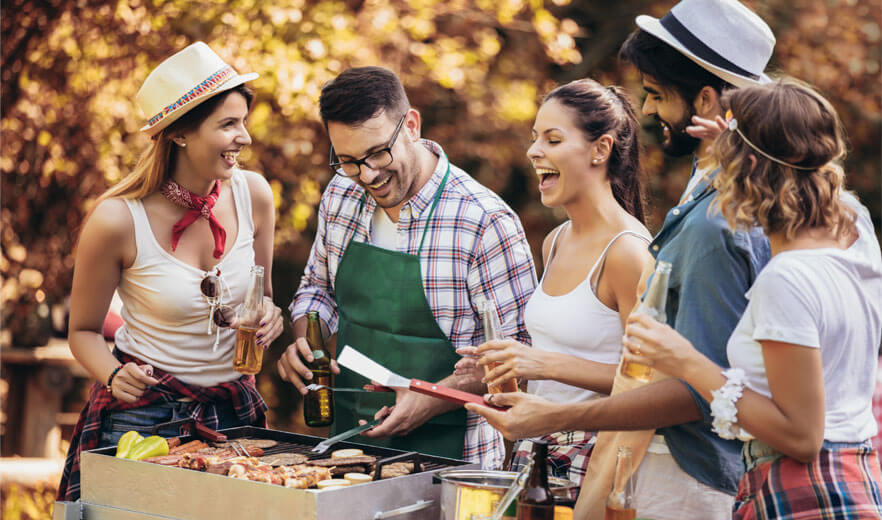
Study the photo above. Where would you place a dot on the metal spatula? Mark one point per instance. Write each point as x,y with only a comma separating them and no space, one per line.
367,367
330,441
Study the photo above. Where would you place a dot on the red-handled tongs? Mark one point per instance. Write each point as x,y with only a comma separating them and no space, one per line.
367,367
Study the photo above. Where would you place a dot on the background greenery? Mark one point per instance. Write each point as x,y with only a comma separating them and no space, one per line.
475,68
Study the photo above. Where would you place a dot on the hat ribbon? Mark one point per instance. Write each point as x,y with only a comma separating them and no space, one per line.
697,47
198,207
208,86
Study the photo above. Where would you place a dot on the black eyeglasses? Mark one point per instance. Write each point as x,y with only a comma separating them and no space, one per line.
374,160
222,315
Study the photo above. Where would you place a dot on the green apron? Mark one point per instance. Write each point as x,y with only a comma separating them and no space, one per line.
384,314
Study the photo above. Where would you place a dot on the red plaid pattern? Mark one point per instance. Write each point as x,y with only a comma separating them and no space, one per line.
840,483
247,403
475,248
568,455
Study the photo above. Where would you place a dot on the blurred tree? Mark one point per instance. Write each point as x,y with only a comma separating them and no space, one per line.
475,68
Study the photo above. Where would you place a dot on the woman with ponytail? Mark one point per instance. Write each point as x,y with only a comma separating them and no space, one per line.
586,155
176,239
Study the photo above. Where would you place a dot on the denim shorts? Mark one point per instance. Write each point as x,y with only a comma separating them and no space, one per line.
115,424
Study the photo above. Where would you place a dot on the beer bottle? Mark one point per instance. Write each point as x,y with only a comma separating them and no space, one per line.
536,501
248,356
618,504
653,305
318,405
493,330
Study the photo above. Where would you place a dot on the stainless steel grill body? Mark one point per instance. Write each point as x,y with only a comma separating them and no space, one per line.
169,492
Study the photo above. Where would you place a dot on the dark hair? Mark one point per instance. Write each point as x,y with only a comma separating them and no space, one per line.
668,66
793,123
359,94
603,110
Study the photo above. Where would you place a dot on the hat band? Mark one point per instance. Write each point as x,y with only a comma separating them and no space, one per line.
206,87
697,47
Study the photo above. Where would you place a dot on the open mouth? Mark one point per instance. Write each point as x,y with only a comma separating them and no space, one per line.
547,177
230,157
666,131
380,184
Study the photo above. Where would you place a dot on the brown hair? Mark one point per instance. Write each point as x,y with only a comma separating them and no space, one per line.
158,161
603,110
791,122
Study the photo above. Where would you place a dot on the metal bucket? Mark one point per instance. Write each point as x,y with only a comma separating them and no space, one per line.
472,494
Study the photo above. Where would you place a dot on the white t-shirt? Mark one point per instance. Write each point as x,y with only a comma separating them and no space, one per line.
384,232
822,298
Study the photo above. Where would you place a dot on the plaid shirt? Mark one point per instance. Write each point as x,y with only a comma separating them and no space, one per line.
247,404
475,249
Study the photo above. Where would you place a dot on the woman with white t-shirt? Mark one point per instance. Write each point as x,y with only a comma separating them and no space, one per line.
803,356
585,152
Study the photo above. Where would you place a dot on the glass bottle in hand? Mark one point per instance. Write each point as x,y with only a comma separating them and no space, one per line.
618,504
248,356
653,305
492,330
536,501
318,405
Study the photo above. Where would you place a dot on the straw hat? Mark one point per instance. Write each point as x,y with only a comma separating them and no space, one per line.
182,82
723,36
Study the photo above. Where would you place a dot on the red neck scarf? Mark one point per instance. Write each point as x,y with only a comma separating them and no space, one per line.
199,207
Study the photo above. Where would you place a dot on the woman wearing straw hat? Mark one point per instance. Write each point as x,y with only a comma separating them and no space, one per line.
176,239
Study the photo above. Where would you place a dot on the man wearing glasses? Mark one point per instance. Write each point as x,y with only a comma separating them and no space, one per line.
407,246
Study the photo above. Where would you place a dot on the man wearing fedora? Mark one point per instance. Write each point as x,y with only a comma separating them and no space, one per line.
687,58
407,247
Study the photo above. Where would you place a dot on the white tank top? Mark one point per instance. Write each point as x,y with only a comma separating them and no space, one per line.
576,323
165,313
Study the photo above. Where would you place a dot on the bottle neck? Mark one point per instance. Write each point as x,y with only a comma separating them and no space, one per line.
254,296
539,473
657,294
314,334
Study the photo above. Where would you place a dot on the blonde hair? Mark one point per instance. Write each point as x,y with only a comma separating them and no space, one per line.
787,120
148,175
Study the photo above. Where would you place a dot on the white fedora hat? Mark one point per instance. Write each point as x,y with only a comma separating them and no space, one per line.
723,36
182,82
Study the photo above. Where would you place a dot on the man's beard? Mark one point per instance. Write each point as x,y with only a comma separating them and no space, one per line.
679,142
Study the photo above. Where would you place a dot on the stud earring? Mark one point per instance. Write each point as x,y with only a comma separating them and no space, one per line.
182,145
595,161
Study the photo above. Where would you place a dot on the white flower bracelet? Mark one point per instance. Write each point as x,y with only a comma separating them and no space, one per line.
723,408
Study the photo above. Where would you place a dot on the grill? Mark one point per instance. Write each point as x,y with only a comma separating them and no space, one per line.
116,488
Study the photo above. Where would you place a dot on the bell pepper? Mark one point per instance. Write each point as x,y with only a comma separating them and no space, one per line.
153,446
129,439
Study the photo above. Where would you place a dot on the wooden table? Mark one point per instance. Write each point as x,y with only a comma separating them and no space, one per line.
38,379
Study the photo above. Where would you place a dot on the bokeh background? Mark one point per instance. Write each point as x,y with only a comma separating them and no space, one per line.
476,69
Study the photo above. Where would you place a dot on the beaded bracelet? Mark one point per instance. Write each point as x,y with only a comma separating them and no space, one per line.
723,408
110,379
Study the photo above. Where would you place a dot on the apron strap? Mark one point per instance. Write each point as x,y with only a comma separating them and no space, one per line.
434,203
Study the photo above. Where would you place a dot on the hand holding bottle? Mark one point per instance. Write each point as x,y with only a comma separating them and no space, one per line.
507,360
650,342
293,364
653,306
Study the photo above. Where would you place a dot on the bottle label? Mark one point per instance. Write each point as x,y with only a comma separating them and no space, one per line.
318,354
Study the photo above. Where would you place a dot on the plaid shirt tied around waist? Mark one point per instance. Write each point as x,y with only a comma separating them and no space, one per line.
242,393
